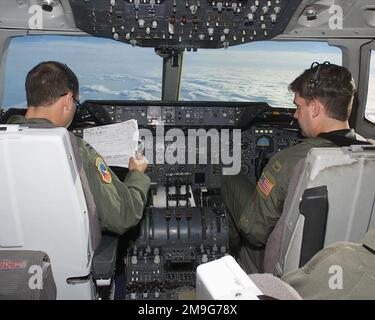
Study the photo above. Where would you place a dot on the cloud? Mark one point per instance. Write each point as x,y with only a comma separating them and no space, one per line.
151,88
239,85
139,95
142,93
97,89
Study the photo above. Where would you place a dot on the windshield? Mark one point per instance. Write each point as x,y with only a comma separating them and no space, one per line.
110,70
257,71
106,69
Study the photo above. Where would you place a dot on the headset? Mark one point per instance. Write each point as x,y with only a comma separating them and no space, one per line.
313,83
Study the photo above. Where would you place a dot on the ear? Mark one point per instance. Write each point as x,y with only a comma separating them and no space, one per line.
67,101
316,108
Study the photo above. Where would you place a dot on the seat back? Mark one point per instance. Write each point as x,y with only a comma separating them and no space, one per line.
26,275
43,207
348,173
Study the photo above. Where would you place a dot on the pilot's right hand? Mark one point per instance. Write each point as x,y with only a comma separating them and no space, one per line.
139,163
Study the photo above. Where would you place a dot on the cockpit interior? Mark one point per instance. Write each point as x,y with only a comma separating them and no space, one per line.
214,70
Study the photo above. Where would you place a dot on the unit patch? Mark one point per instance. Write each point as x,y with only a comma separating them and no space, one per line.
265,184
103,170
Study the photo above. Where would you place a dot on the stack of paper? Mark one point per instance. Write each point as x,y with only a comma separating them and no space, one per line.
116,143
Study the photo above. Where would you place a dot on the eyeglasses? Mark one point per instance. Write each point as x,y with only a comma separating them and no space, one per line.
76,101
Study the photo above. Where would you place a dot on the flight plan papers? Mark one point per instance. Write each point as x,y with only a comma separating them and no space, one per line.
116,143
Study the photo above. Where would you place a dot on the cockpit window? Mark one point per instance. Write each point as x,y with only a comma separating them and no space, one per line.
258,71
370,105
106,69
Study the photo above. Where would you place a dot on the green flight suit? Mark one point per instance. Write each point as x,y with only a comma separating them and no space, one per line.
254,211
343,270
119,204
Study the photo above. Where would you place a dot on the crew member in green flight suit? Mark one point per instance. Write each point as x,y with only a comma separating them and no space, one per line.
52,92
323,96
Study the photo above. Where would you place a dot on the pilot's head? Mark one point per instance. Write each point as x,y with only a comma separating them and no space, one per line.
52,90
324,98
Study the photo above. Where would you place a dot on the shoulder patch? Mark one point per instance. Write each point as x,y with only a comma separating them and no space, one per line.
103,170
277,166
266,183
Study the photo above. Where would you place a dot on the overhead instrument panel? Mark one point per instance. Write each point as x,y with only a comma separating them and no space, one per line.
184,24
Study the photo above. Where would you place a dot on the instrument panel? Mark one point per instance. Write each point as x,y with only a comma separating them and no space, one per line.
184,24
213,114
261,131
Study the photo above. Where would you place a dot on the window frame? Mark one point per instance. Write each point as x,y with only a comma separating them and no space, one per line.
362,124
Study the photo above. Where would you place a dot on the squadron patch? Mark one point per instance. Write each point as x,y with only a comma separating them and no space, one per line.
265,184
103,170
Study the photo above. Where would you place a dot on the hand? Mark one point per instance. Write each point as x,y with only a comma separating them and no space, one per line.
140,163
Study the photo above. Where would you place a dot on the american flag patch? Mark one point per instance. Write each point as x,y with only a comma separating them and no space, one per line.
265,185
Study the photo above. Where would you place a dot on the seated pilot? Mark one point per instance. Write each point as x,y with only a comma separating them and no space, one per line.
323,97
52,96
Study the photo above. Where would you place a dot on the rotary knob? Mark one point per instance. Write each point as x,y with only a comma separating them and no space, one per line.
168,116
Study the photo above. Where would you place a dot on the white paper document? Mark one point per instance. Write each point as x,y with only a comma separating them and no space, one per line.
116,143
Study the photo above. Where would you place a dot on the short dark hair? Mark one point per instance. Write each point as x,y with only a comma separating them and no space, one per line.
331,84
48,81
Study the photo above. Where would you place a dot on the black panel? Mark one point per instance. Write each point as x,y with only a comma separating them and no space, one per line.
171,243
104,260
314,206
184,24
182,113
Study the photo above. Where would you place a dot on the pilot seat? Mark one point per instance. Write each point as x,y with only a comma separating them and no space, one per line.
330,198
51,246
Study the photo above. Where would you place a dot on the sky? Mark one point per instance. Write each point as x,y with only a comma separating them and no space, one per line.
258,71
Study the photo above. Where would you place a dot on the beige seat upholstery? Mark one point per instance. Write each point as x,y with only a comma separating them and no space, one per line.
348,176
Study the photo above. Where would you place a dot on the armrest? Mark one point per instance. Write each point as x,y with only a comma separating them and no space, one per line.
104,261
